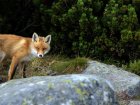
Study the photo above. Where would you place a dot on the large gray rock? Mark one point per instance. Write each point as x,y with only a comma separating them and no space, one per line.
126,84
58,90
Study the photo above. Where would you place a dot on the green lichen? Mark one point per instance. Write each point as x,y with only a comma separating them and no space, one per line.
82,84
94,81
50,85
80,92
24,102
72,103
49,97
67,81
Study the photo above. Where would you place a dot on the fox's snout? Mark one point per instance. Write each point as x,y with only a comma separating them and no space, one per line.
40,55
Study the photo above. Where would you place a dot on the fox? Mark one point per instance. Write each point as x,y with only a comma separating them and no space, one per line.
22,49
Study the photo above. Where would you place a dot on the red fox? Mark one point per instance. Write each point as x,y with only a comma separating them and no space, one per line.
22,49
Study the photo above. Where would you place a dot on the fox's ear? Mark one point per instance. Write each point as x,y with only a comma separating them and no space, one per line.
48,39
35,37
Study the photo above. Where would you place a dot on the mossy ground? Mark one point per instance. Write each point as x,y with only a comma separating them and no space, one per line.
57,65
49,65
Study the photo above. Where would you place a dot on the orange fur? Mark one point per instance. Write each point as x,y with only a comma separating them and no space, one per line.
22,49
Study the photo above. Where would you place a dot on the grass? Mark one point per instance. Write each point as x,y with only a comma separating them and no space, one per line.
49,65
57,65
133,67
69,66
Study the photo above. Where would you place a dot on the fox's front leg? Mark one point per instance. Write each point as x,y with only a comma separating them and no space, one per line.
13,66
16,59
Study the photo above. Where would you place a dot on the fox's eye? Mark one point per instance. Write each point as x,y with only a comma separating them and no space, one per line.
44,49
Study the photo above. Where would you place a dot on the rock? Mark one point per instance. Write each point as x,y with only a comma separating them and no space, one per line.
129,102
126,84
134,102
75,89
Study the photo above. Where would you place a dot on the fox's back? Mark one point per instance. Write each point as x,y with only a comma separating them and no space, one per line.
9,43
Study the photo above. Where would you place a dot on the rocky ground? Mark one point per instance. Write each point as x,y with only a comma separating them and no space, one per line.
123,87
126,84
75,89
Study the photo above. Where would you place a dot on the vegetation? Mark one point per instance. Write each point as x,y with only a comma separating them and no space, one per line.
70,66
54,65
104,30
133,67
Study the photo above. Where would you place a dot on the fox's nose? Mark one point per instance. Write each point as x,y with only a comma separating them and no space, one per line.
40,55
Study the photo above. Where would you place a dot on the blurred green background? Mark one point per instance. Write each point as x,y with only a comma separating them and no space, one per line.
106,30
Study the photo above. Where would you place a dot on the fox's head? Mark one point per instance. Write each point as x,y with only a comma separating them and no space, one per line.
40,45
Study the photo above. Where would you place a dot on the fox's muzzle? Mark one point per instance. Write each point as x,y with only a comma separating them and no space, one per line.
40,55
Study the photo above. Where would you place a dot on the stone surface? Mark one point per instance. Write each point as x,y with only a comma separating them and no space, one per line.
126,84
134,102
75,89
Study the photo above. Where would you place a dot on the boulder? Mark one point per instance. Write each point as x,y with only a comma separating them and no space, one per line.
76,89
126,84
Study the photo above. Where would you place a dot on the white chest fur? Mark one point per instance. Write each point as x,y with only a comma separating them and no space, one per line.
33,54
